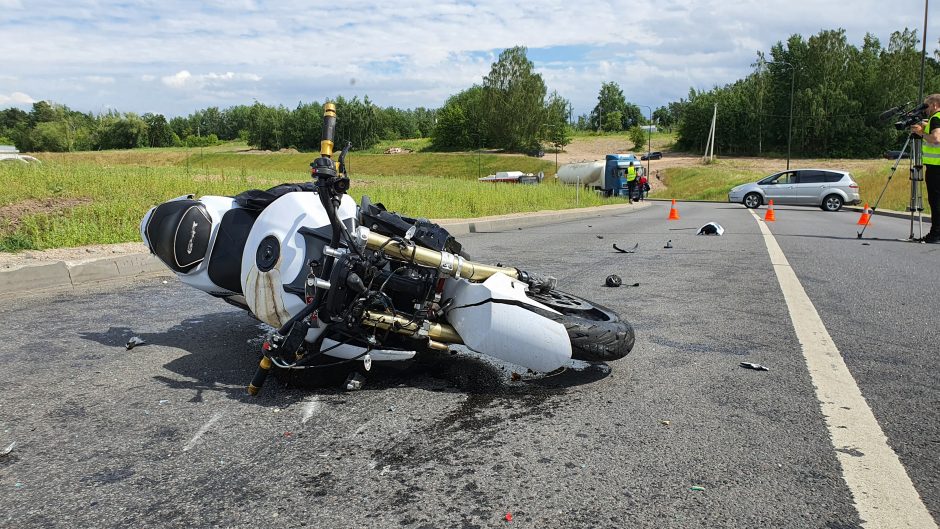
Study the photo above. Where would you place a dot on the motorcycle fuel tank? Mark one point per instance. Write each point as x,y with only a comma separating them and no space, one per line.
275,253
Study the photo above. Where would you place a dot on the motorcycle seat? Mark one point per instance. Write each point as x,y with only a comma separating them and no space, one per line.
178,232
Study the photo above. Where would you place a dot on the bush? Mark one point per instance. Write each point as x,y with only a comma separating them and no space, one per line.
202,141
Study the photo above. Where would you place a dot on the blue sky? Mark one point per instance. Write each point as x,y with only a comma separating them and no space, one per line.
174,57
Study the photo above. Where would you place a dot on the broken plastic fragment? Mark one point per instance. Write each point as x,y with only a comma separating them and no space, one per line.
355,381
668,244
697,488
6,451
635,246
712,228
756,367
508,516
134,342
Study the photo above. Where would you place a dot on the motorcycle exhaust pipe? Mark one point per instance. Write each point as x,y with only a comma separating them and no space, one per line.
448,263
437,333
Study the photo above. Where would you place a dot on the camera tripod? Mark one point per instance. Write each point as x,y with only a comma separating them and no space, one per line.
916,205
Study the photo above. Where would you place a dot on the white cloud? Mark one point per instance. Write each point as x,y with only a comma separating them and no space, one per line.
16,98
184,79
403,54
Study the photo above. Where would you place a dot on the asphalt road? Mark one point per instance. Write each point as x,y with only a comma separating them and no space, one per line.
164,435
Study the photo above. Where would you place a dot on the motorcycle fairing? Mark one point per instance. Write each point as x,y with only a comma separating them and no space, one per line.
490,317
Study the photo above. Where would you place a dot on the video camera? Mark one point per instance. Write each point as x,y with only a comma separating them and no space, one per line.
905,118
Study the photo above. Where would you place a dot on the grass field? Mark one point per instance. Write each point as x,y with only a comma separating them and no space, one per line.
91,198
74,199
712,182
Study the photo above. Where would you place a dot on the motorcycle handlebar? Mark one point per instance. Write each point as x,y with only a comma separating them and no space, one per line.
329,130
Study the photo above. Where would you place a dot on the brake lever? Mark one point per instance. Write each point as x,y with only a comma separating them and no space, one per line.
342,158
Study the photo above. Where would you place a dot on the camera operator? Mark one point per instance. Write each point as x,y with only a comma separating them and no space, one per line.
930,131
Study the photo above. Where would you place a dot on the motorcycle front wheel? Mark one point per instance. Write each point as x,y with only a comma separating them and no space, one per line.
597,334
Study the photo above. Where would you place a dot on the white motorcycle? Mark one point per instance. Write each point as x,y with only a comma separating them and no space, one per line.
347,283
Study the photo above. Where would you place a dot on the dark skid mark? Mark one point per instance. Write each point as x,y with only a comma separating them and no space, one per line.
698,347
854,452
109,476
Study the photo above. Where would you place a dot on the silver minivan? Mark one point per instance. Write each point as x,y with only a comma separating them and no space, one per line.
828,189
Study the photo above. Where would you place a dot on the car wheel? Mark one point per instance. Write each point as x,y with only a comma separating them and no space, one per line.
832,203
752,200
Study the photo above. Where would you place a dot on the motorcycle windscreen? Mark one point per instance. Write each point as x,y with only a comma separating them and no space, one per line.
491,319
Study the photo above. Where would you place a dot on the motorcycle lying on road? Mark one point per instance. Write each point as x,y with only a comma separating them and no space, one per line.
341,282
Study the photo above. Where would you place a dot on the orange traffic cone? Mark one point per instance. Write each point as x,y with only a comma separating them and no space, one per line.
673,213
866,216
769,216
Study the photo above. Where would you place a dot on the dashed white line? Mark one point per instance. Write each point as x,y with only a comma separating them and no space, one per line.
202,430
883,492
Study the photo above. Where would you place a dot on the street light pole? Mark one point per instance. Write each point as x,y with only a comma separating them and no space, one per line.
790,128
649,139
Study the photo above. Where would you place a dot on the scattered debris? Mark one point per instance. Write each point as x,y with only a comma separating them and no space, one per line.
668,244
599,236
866,244
613,280
6,451
164,401
515,377
664,422
134,342
696,488
635,246
164,281
712,228
756,367
288,434
355,381
397,150
508,516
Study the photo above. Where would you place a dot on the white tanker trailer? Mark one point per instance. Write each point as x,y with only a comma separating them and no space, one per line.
605,175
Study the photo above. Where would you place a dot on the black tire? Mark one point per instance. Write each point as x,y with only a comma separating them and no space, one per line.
752,200
597,334
832,203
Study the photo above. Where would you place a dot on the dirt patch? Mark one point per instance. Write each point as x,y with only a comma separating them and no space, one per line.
11,215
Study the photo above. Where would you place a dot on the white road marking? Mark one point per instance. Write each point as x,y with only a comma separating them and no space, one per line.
883,492
311,407
202,430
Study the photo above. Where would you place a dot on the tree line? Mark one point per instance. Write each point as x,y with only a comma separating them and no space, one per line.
838,92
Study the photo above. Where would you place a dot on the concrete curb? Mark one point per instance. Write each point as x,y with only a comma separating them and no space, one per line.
59,275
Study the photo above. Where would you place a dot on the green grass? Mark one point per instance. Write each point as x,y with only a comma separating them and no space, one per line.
438,165
713,181
92,204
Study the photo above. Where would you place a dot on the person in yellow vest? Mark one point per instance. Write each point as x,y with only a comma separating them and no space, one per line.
631,181
930,131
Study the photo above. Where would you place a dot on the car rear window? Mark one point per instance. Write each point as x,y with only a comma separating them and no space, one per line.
832,177
811,177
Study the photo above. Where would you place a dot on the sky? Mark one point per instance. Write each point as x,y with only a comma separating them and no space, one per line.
174,57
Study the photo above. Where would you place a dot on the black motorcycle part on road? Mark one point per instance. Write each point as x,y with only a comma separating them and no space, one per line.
597,333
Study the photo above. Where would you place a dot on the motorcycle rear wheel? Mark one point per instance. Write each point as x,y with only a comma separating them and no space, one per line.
597,334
